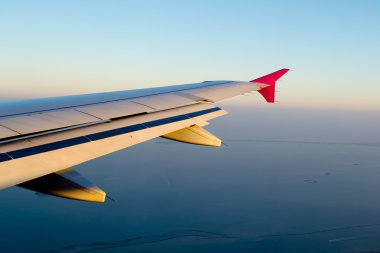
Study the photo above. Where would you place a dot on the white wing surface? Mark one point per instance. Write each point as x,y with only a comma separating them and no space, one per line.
41,138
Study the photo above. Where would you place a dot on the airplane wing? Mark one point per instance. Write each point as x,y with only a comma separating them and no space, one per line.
42,139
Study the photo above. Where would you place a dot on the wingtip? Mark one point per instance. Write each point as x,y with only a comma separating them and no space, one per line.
268,91
271,78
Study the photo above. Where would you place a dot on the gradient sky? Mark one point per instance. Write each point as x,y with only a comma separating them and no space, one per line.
50,48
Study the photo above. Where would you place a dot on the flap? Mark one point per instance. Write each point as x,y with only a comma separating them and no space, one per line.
115,109
38,122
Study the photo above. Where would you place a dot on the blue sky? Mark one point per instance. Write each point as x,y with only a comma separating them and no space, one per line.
50,48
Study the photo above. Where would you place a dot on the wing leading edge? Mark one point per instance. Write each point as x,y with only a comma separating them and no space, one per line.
41,138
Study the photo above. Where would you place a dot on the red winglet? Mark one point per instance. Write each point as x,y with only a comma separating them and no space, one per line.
269,91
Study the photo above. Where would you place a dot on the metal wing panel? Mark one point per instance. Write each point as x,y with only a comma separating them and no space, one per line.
164,101
223,91
43,104
38,122
51,119
114,109
23,107
6,132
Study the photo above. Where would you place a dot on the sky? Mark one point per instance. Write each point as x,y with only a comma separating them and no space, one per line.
54,48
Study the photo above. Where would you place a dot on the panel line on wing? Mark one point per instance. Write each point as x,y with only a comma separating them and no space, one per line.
89,114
